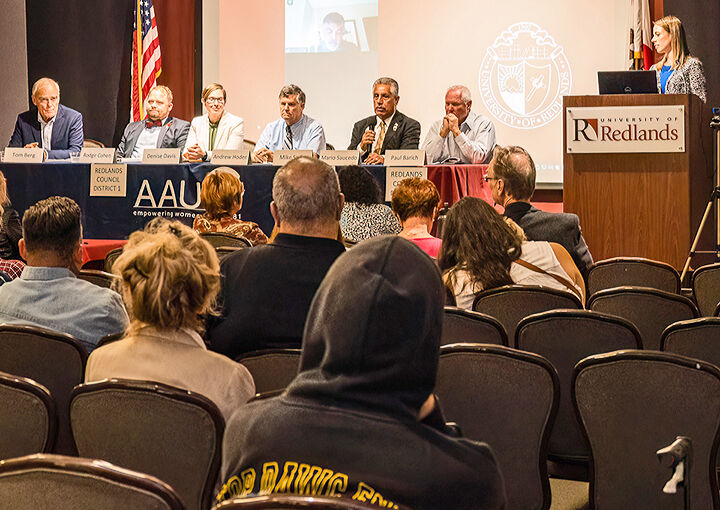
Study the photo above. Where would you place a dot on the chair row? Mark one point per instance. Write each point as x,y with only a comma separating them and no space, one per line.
641,272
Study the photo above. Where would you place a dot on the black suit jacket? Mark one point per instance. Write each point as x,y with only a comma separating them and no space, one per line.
172,136
403,133
561,228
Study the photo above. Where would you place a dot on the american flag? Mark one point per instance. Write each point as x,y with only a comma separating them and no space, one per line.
146,64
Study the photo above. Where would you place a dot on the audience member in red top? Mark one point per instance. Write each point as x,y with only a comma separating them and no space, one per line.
416,202
221,195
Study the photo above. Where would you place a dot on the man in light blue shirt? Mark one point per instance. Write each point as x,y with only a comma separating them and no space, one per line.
461,136
293,131
48,293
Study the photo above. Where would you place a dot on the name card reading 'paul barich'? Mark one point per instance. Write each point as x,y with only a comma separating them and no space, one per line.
394,175
340,158
23,155
282,157
415,157
108,180
97,155
229,157
161,156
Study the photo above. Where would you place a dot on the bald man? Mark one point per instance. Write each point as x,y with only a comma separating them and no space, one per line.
55,128
266,291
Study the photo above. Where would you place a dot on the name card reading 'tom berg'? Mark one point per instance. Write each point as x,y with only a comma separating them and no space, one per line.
97,155
340,158
23,155
415,157
108,180
229,157
394,175
161,156
282,157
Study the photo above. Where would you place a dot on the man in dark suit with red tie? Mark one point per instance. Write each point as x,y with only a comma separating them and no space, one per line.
157,130
388,129
51,126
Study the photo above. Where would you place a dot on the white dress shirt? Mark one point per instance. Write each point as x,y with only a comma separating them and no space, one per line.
46,131
473,145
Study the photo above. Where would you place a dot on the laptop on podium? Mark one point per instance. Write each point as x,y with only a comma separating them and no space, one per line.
627,82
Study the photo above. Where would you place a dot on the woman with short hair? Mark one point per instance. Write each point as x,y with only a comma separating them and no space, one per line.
678,72
221,195
415,202
214,129
363,216
169,278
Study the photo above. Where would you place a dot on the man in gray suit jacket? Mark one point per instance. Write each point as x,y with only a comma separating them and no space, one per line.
511,176
387,129
157,130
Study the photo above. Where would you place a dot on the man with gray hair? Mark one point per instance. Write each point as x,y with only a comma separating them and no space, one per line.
292,131
388,129
53,127
461,136
266,290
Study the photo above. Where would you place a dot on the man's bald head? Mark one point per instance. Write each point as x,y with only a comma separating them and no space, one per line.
516,169
306,194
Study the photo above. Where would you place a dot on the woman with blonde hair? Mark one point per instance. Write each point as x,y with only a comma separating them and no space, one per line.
678,72
215,129
221,195
169,278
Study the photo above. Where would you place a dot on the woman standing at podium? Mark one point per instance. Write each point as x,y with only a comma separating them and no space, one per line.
678,72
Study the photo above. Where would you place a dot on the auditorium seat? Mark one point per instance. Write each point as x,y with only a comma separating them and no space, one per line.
110,259
93,144
27,420
99,278
632,271
290,501
705,285
249,145
471,327
167,432
509,399
564,337
44,481
218,239
272,369
511,303
55,360
650,310
633,403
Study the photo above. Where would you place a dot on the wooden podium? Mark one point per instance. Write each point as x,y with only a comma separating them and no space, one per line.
641,204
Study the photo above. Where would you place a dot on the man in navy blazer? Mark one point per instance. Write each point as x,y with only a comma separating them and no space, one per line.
511,176
157,130
55,128
387,129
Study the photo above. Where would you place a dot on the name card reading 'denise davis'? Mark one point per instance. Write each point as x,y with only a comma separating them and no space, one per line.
23,155
108,180
282,157
161,156
229,157
340,158
414,157
97,155
393,176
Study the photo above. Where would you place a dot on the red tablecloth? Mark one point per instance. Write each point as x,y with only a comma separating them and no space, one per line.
96,249
457,181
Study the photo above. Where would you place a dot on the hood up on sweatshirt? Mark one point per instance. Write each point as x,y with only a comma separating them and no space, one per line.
372,334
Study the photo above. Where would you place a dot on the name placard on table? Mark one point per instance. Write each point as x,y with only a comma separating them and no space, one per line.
393,176
229,157
340,158
97,155
161,156
23,155
108,180
414,157
282,157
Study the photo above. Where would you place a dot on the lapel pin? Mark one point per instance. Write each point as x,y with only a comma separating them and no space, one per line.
395,126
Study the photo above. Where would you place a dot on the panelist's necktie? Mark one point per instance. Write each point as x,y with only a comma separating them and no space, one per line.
287,143
381,138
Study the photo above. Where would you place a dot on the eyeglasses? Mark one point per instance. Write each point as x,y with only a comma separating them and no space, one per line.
215,100
487,178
